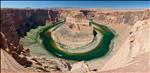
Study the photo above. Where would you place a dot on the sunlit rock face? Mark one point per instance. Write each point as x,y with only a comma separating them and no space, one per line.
130,54
53,15
76,32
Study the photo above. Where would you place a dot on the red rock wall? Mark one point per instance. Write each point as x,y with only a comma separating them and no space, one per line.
16,22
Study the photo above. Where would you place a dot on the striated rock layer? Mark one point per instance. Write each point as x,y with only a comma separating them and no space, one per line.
130,52
76,32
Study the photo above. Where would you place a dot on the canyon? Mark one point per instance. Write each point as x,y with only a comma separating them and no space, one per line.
130,47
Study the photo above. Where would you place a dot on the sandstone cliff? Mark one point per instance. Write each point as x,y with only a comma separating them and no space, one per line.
131,25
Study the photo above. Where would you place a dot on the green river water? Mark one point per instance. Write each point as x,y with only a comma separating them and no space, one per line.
99,51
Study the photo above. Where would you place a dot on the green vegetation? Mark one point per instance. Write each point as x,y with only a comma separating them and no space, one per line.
39,38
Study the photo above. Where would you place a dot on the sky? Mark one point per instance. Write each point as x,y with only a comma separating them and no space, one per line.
80,4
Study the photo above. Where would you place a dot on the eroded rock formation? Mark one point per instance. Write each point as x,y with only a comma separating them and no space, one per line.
76,32
132,43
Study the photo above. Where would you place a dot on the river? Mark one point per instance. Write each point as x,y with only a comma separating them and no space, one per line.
99,51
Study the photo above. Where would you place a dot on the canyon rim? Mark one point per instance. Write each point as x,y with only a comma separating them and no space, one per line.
73,40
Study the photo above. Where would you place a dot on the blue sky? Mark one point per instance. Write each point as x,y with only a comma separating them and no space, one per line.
81,4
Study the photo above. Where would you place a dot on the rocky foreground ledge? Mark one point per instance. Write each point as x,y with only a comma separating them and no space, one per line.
131,53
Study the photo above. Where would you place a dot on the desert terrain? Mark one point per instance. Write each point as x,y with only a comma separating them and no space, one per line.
22,42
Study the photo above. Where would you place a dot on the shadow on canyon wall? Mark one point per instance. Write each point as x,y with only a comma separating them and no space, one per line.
16,22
